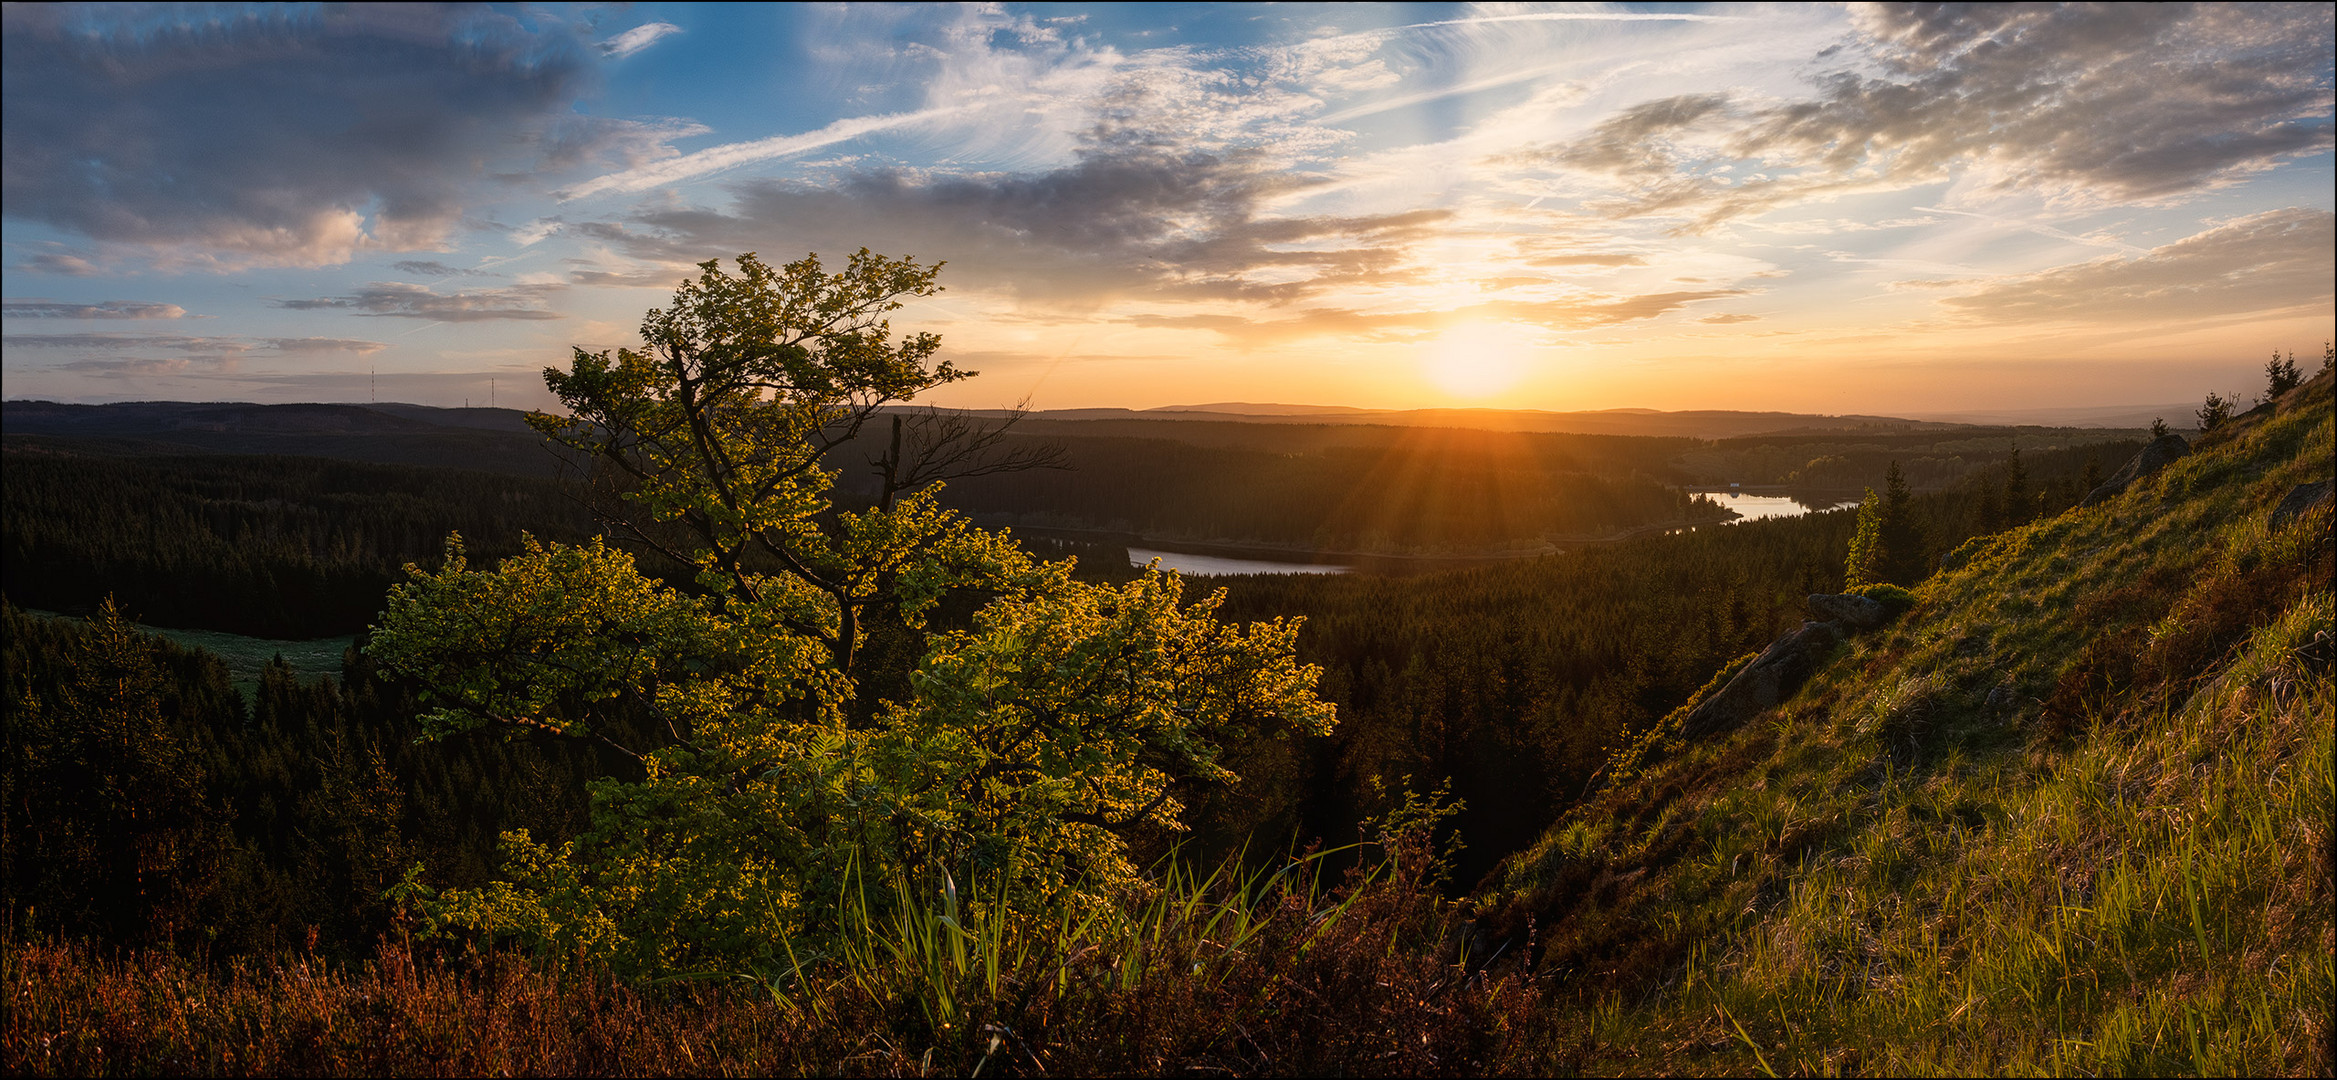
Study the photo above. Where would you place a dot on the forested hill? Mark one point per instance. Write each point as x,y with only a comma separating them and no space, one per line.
496,440
2071,812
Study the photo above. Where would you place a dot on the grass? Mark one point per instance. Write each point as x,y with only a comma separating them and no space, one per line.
2072,815
246,657
1262,973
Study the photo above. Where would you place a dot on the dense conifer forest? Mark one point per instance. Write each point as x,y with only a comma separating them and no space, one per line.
151,807
1505,685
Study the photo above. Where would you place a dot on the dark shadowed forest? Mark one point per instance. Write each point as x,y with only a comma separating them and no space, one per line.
1506,686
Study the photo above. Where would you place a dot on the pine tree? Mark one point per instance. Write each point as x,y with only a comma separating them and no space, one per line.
1888,546
1902,559
2213,412
2280,376
1862,567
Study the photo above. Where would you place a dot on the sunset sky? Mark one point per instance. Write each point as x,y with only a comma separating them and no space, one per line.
1807,207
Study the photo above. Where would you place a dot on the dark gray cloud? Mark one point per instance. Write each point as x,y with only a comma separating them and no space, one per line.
282,135
434,268
2263,262
30,308
398,299
2115,102
1120,220
62,263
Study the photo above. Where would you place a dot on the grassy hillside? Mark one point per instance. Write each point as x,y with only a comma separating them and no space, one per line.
2070,813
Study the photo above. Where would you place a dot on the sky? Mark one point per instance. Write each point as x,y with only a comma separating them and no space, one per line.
1817,208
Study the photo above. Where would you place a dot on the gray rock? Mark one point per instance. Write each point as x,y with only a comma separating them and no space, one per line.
2304,500
2161,452
1770,678
1856,612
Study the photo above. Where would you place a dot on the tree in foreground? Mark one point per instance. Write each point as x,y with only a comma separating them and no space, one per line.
847,698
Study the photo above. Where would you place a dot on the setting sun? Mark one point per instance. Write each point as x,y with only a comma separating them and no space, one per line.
1478,360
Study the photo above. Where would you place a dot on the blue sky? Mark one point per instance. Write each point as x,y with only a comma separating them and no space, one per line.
1811,207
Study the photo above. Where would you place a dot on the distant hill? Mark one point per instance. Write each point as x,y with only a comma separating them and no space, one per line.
1698,424
497,440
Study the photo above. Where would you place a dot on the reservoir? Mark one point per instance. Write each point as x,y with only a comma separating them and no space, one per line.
1748,508
1213,564
1761,507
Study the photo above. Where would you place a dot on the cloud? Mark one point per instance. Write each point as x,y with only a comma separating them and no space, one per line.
123,356
130,367
429,268
185,343
2277,259
103,309
2084,104
396,299
57,262
1599,258
1582,312
111,342
1120,220
323,344
732,155
1725,320
636,39
285,136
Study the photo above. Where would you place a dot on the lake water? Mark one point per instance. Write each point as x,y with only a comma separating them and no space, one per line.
1212,564
1749,507
1759,507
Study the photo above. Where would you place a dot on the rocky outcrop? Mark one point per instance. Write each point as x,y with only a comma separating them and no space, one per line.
1787,663
2305,499
1856,612
2161,452
1770,678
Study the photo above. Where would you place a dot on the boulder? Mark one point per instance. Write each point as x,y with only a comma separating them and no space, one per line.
1856,612
2305,499
1770,678
2158,455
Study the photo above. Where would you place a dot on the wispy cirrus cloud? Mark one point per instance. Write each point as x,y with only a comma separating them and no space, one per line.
190,343
395,299
2084,104
2263,262
33,308
1583,311
716,159
101,355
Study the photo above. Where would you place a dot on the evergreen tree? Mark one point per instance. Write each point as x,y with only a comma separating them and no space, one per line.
108,831
2280,376
2019,505
1888,547
2213,412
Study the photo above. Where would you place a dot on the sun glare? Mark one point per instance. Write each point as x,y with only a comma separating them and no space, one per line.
1477,360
